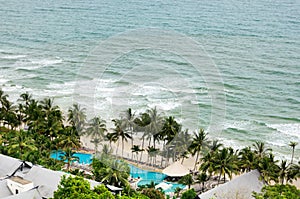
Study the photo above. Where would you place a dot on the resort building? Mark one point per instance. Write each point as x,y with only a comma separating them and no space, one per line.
240,187
22,180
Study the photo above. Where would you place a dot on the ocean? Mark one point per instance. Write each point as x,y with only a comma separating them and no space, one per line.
69,50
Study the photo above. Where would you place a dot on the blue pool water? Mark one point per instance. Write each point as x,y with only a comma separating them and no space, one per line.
174,186
83,157
146,176
135,172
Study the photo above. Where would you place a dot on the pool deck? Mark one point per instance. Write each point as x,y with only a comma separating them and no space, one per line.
143,166
86,151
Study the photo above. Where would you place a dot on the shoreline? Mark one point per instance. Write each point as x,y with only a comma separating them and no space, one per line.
188,163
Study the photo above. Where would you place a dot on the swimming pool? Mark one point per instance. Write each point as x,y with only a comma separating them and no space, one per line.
148,176
84,158
135,172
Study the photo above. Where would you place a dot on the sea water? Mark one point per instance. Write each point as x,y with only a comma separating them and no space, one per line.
46,49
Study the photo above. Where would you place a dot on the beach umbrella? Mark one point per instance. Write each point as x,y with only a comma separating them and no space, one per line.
176,170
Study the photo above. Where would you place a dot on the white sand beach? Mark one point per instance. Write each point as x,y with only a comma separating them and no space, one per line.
188,163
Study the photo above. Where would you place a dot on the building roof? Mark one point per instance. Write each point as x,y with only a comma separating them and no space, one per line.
240,187
31,194
44,180
48,180
4,190
8,165
20,180
176,170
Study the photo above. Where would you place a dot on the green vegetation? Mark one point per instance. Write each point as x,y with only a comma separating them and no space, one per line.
278,191
45,131
78,188
110,171
31,129
189,194
187,180
153,193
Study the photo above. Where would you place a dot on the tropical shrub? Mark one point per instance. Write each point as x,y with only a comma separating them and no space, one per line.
278,191
79,188
189,194
153,193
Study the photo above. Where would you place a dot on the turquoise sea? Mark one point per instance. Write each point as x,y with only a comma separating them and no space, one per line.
47,48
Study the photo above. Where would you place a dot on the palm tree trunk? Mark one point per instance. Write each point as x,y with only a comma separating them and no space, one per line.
122,148
162,157
149,142
131,141
196,160
168,159
117,148
293,155
142,148
220,176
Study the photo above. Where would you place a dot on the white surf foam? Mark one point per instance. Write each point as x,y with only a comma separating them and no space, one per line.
12,56
292,129
241,124
32,64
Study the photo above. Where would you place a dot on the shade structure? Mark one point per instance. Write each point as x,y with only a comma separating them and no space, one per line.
176,170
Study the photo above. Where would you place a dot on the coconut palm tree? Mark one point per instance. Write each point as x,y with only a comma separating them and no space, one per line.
215,146
293,145
260,149
120,133
48,106
96,129
69,140
294,172
77,117
69,157
225,163
247,159
142,124
180,145
3,96
170,129
9,114
198,143
156,124
21,143
207,164
170,135
136,149
52,119
151,154
116,174
284,169
25,98
268,169
202,178
187,180
128,118
33,116
96,142
106,150
110,137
